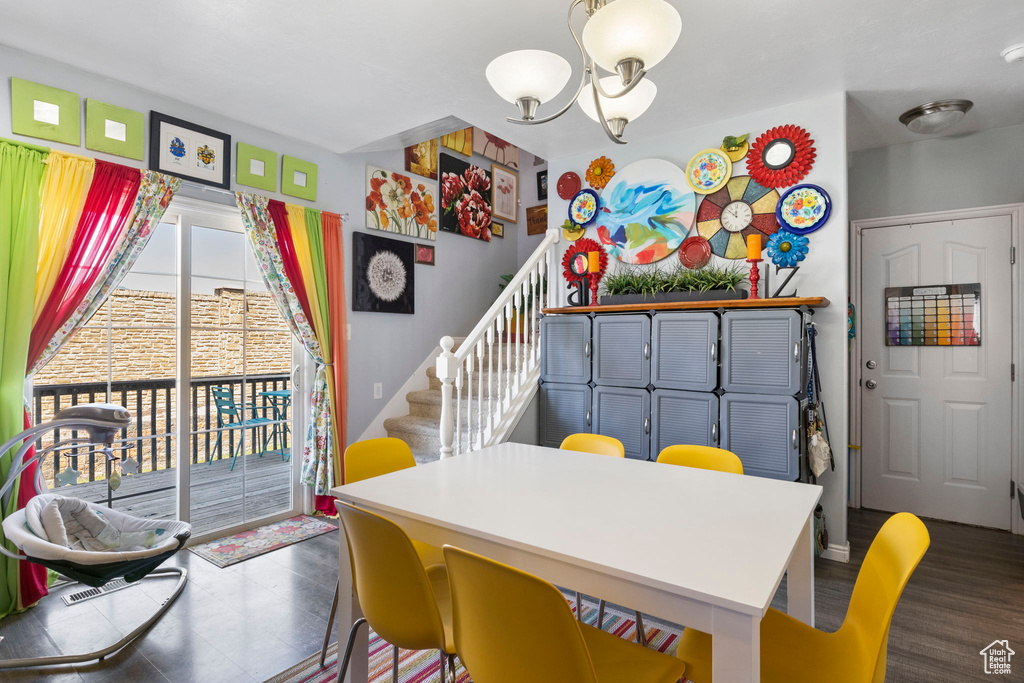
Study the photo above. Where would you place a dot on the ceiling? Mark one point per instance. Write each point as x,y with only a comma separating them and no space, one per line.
346,74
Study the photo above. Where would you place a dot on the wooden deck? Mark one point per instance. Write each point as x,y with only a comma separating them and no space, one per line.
216,492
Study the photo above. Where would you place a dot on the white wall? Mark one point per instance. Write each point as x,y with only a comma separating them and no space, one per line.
939,174
528,198
386,348
824,273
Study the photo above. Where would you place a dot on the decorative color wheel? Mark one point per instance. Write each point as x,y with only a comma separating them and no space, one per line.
742,208
708,171
583,207
804,209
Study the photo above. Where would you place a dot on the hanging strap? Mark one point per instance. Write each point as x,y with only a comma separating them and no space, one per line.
814,389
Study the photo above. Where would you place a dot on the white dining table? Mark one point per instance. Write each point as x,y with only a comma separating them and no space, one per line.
693,547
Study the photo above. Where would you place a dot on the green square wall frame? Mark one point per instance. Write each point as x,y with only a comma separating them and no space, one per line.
115,130
256,167
40,111
298,178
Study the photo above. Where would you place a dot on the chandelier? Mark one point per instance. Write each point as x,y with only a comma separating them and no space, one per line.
624,37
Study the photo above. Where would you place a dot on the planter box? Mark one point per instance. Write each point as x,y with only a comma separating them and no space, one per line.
668,297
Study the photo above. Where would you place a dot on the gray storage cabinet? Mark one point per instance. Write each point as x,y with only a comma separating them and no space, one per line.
762,352
624,413
564,409
622,350
683,417
684,351
565,349
764,431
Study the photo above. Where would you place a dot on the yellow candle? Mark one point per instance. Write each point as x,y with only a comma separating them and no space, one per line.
753,247
593,261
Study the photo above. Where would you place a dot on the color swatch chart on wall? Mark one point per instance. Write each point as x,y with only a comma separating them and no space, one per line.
942,315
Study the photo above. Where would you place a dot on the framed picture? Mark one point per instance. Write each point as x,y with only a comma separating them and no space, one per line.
498,229
542,185
298,178
115,130
382,274
399,203
421,159
537,220
465,198
506,193
189,151
460,141
40,111
491,146
425,254
256,167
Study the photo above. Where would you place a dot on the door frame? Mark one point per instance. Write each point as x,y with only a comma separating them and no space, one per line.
1016,214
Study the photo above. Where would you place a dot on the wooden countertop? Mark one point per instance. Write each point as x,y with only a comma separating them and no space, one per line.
780,302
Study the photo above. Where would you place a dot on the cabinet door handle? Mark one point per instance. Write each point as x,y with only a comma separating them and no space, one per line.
588,418
647,425
586,350
647,351
796,352
795,446
714,433
714,352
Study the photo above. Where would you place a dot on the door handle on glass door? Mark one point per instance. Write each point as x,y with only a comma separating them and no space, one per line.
871,384
295,381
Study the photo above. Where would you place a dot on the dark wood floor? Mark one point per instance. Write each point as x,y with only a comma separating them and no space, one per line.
255,619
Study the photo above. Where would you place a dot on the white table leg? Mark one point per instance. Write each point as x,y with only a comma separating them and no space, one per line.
800,577
735,647
348,613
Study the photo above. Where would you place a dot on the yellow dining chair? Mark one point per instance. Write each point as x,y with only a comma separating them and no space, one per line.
598,444
702,457
533,637
405,603
365,460
793,652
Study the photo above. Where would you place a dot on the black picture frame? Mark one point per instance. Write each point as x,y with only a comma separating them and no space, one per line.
365,295
156,123
542,185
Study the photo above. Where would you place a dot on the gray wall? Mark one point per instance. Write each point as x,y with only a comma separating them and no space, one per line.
939,174
528,198
386,348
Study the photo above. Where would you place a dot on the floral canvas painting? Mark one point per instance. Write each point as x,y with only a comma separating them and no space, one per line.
382,274
465,198
397,203
421,159
491,146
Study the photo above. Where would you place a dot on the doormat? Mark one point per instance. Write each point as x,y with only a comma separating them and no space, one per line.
246,545
423,666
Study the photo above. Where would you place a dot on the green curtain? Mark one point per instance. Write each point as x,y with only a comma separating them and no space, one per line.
21,176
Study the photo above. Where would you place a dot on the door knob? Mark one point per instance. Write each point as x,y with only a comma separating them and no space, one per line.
871,365
871,384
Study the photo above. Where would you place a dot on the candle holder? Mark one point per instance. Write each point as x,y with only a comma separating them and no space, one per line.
755,276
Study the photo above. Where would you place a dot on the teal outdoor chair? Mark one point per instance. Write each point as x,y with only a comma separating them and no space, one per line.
231,416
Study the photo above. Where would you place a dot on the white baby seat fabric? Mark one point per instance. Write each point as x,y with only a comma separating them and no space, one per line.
92,543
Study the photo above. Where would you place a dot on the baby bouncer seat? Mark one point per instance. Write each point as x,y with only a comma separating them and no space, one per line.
87,542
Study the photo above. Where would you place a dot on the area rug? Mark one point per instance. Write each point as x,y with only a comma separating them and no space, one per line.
423,666
246,545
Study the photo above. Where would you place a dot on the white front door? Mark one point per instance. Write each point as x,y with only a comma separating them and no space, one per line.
936,418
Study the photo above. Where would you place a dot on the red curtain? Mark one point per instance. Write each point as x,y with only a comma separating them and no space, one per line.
279,213
107,206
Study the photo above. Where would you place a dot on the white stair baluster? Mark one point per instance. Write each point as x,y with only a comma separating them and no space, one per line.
490,381
480,394
509,342
469,401
458,410
500,322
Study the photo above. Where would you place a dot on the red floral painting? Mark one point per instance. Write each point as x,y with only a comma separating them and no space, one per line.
465,198
394,203
491,146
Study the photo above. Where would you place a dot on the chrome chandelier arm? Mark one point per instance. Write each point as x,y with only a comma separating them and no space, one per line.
625,89
587,69
600,114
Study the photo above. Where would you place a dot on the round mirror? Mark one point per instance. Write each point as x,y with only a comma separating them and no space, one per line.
579,264
778,154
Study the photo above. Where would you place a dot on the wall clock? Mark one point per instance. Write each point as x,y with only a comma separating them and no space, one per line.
781,156
804,209
583,207
743,207
708,171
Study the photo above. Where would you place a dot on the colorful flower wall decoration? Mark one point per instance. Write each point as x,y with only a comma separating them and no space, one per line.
781,156
600,171
786,250
465,198
395,204
491,146
804,209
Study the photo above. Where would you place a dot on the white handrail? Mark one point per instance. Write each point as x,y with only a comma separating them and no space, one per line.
498,399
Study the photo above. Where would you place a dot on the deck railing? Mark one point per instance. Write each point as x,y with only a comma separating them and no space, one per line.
150,438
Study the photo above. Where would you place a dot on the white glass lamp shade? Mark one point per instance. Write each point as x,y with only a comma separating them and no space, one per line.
935,122
629,107
528,74
632,29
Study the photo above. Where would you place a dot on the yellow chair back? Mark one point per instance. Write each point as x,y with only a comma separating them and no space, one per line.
512,627
892,558
374,457
394,592
702,457
597,444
